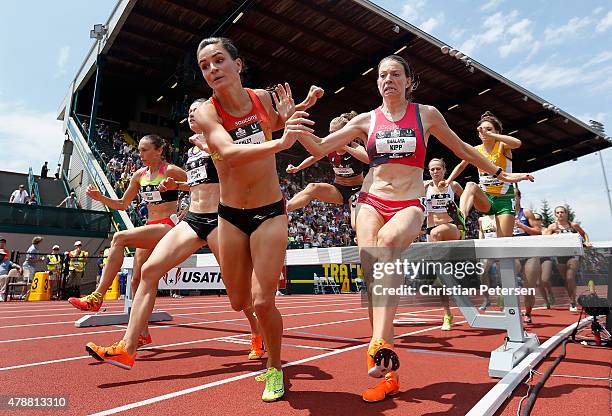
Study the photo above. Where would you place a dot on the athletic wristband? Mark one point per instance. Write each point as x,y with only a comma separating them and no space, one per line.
499,171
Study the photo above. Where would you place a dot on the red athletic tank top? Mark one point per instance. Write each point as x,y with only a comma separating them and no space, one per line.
400,141
251,128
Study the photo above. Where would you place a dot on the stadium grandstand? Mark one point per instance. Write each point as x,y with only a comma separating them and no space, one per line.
140,77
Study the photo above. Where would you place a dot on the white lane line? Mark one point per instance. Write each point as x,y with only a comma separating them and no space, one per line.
158,327
178,305
226,307
308,347
176,344
242,376
190,314
41,324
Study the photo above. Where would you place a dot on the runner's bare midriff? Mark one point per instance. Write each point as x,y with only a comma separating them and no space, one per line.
251,185
394,182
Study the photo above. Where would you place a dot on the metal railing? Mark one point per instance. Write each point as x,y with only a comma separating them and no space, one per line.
53,220
132,213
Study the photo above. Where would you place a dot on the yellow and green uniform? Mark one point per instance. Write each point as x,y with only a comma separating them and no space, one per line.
500,194
105,255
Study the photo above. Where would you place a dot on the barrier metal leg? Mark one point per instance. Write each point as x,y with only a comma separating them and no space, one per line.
518,344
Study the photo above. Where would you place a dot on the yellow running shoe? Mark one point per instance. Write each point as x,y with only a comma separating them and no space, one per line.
381,359
257,347
388,387
447,323
275,387
115,354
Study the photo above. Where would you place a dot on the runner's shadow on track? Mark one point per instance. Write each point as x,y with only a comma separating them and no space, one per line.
158,354
228,368
541,325
444,338
327,403
460,396
297,372
304,372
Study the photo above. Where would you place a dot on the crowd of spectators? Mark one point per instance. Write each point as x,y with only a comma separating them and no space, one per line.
119,160
318,224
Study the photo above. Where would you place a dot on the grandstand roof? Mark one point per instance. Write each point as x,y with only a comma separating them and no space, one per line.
331,43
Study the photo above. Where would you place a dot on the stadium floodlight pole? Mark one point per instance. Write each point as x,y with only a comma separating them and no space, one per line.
97,33
603,170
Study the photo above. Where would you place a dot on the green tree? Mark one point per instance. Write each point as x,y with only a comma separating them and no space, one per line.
571,214
547,215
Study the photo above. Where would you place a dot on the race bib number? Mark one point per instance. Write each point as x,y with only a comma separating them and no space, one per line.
151,196
396,142
489,180
196,174
344,171
249,134
438,203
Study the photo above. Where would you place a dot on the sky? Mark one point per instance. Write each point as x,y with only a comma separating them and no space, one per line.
561,52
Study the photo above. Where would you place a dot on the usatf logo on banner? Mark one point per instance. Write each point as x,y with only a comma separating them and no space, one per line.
196,278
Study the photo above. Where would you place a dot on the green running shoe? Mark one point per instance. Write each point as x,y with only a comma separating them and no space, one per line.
275,388
457,217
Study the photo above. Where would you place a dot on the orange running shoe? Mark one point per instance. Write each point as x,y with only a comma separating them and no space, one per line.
144,341
115,354
257,347
387,387
381,359
90,303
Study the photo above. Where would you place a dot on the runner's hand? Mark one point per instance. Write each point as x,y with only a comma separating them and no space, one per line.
168,184
515,177
199,140
313,95
283,100
93,192
296,127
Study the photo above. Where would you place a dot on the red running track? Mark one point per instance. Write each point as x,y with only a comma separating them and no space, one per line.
198,363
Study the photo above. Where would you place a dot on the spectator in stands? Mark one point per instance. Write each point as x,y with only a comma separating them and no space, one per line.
57,172
5,267
143,211
44,170
34,262
70,201
19,196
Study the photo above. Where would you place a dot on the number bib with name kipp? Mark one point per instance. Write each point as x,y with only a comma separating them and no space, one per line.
396,143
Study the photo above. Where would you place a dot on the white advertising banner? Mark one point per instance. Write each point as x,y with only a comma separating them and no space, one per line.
192,278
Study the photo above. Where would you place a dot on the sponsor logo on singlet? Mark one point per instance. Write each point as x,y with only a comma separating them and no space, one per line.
247,120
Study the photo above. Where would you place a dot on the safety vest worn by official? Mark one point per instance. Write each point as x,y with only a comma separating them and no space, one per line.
53,262
105,255
77,262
